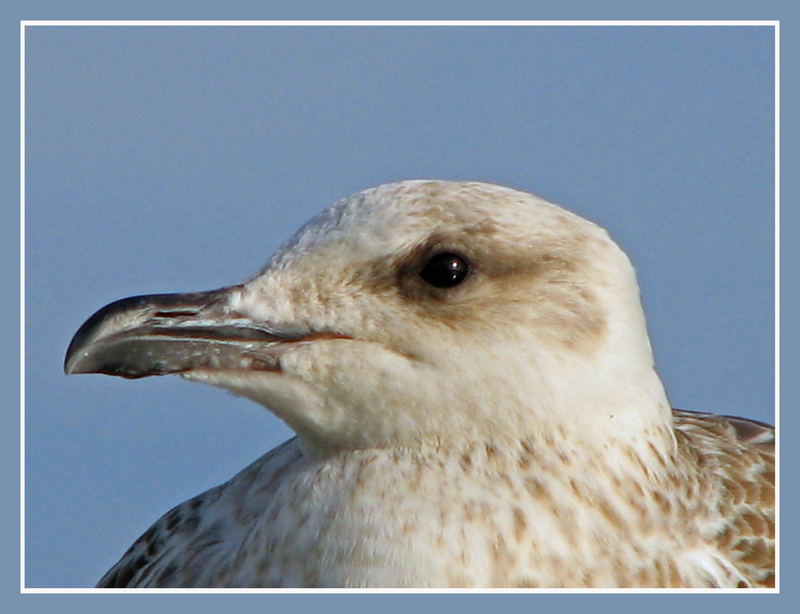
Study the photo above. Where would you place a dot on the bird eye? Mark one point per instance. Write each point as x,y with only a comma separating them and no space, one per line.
445,270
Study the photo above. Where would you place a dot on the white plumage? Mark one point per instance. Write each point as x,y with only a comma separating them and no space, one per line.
468,372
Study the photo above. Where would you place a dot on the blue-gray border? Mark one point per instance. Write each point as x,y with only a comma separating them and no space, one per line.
16,12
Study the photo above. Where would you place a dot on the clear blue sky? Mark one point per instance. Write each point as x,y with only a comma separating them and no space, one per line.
177,159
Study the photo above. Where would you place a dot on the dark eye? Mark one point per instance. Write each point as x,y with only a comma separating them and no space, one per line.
445,270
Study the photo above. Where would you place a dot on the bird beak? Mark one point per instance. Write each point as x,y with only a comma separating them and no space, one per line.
174,333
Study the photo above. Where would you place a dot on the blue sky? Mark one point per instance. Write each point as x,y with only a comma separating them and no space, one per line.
178,159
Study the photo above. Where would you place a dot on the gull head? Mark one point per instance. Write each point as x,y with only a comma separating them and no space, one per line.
414,312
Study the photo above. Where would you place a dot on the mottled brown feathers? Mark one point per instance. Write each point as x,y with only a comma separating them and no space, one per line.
738,455
715,498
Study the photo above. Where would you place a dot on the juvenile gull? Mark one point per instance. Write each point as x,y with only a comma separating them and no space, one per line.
469,376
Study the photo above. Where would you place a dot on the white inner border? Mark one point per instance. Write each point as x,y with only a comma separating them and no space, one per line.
289,23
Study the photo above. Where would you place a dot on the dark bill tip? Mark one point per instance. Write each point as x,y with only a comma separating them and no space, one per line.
117,309
169,333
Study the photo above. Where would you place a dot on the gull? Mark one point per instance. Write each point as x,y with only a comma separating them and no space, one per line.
468,373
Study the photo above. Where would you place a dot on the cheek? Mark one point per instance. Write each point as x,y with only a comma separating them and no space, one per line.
349,370
365,388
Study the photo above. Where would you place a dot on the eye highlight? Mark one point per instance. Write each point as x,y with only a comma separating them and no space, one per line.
445,270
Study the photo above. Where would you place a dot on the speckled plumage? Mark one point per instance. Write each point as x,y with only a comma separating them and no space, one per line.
482,516
509,431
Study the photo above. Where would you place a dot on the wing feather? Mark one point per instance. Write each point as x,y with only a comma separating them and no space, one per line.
179,549
739,455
